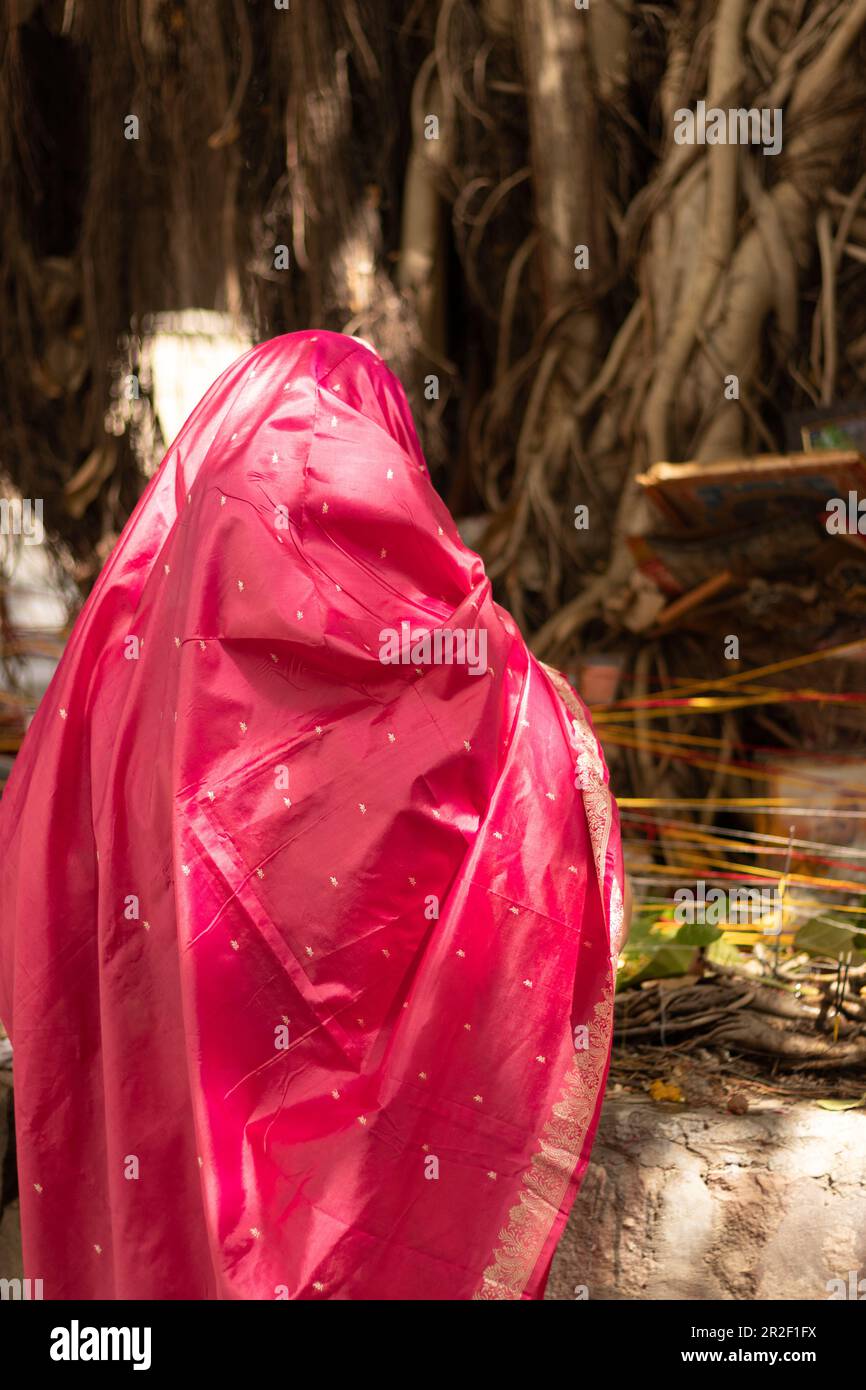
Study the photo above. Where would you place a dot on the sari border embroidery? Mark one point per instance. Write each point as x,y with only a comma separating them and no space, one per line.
546,1181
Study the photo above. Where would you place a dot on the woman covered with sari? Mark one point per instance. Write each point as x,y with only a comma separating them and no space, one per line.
308,923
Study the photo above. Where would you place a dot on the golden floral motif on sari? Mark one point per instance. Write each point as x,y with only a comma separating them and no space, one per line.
590,780
589,768
615,921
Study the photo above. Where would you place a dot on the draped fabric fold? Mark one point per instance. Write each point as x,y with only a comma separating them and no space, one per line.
311,884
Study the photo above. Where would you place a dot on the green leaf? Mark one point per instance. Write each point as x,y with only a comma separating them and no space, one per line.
656,960
828,939
724,952
832,1104
643,922
697,934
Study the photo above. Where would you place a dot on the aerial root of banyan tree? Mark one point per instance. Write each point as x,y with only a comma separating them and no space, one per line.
557,378
727,1010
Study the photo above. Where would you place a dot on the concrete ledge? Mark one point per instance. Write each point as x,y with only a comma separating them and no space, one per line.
699,1204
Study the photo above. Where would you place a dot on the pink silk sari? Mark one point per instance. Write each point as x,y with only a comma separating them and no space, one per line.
307,959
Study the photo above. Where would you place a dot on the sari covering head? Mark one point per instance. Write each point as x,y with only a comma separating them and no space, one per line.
310,894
